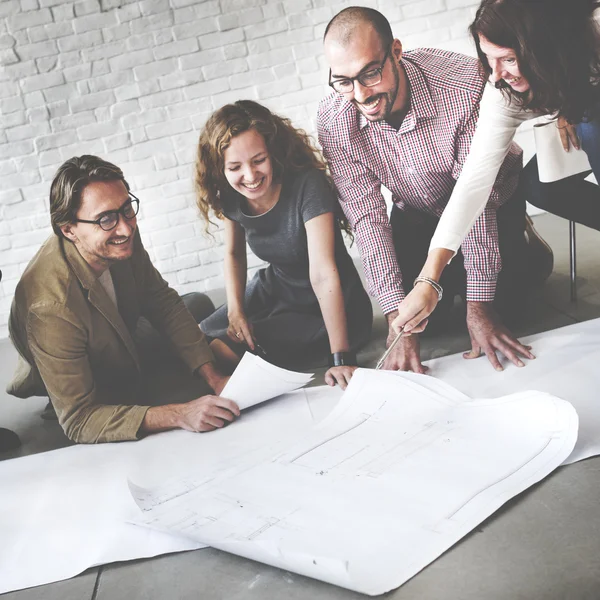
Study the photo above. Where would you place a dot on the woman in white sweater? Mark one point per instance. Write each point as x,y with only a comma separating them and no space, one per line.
542,57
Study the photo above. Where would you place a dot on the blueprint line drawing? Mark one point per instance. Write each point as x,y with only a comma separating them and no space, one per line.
396,474
57,495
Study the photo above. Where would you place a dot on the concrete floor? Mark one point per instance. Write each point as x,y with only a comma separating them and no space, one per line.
543,544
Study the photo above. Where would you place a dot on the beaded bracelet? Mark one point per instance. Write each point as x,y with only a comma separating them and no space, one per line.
432,282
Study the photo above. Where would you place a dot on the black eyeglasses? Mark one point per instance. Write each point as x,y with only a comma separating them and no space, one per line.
110,218
367,78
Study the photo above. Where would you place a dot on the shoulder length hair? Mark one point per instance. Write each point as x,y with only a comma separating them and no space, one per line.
557,45
290,150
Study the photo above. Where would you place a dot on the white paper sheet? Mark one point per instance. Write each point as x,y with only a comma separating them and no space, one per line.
255,380
553,162
567,365
392,478
48,500
64,511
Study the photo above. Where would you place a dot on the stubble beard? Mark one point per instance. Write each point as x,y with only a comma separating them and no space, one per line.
387,97
103,255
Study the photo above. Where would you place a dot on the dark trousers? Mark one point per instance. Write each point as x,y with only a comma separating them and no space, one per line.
572,198
413,230
166,379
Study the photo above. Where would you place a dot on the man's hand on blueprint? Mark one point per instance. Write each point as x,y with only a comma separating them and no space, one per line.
489,336
406,356
207,413
339,375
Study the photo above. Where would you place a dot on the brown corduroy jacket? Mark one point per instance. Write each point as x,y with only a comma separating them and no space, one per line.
76,347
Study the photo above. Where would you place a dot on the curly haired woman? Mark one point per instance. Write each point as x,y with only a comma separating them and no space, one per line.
270,186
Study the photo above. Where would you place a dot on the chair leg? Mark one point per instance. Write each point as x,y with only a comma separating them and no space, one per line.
573,260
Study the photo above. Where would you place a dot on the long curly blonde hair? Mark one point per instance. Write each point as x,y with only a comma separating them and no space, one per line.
290,149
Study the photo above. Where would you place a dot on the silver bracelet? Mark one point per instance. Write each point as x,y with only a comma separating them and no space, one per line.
433,283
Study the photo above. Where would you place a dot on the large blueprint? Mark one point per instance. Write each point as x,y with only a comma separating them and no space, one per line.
64,511
394,476
567,365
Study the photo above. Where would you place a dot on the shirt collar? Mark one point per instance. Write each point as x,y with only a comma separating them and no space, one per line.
422,105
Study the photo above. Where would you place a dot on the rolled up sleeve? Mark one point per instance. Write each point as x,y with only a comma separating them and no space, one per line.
359,193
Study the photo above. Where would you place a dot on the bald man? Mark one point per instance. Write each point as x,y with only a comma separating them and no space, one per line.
405,121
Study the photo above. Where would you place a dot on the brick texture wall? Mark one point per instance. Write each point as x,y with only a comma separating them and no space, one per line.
134,80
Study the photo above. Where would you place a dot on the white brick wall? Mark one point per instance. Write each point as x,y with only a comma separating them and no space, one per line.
134,81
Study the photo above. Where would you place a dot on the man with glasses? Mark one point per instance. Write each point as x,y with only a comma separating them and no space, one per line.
405,121
95,324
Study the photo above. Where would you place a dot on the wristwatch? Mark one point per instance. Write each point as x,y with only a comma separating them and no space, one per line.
343,359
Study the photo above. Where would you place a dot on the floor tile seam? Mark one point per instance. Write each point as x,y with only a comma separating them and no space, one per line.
559,309
586,294
97,583
570,316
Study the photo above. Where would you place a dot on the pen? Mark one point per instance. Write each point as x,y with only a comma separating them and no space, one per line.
387,352
260,349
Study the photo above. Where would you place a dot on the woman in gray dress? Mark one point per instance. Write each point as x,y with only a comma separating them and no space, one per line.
268,183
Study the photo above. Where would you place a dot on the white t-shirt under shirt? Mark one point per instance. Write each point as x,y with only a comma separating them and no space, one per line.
496,127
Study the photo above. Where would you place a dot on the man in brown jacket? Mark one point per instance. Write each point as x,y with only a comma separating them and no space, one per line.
75,318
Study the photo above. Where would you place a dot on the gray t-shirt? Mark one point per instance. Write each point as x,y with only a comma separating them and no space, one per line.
279,236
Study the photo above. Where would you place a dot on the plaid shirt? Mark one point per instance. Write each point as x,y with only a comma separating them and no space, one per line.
419,164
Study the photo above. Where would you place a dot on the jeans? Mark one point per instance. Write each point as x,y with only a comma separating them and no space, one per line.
589,135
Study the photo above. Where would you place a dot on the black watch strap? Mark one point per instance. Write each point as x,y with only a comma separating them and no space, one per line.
341,359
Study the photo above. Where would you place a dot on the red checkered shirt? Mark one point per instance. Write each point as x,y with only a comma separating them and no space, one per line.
419,164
